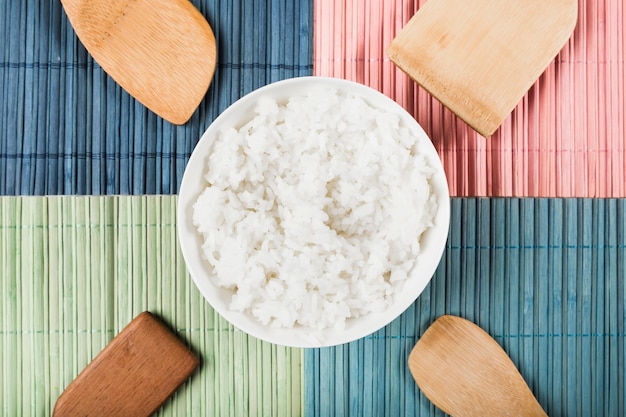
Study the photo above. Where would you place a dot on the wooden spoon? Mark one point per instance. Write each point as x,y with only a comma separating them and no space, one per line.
133,375
465,372
479,57
162,52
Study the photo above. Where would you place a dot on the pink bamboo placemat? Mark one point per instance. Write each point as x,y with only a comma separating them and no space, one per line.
566,138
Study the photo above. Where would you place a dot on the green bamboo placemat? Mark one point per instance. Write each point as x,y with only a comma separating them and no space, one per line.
76,270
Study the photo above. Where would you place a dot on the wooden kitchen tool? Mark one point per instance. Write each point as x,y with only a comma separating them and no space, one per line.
162,52
465,372
132,376
480,57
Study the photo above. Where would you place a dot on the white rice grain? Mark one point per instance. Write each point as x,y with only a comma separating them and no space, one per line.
314,210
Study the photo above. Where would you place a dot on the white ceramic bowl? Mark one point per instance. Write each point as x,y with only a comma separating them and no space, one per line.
432,242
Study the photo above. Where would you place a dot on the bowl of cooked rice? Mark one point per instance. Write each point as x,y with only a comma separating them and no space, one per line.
313,212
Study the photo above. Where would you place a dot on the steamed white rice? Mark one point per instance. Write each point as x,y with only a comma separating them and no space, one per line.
314,210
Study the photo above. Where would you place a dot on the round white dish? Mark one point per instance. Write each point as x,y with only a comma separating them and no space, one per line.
432,241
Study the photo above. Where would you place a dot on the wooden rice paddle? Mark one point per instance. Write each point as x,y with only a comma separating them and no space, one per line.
465,372
480,57
132,376
162,52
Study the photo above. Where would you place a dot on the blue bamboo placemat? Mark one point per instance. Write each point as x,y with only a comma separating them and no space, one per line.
67,128
545,277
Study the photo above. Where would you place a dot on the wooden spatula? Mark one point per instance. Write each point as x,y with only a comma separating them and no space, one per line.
132,376
479,57
465,372
162,52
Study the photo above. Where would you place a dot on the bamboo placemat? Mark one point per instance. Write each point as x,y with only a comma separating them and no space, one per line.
566,138
67,128
76,270
545,277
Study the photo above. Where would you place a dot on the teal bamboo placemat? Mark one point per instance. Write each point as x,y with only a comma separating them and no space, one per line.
545,277
76,270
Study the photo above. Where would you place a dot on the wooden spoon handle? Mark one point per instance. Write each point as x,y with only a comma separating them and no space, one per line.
132,376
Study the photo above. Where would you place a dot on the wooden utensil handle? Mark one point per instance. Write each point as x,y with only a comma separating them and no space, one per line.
134,374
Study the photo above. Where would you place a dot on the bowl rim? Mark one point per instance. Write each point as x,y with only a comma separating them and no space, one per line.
190,240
